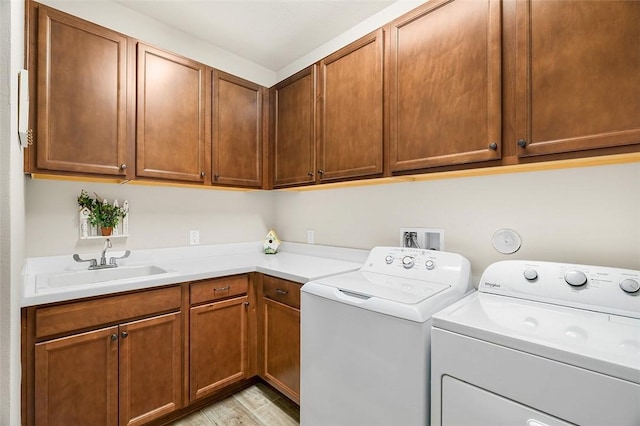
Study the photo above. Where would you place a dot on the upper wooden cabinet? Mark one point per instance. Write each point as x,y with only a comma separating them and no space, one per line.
293,129
238,132
171,141
350,110
444,87
577,75
82,113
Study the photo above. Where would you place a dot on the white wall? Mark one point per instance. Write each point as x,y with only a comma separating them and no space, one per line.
158,217
12,223
582,215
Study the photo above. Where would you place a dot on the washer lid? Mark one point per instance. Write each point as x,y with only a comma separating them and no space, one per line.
601,342
387,287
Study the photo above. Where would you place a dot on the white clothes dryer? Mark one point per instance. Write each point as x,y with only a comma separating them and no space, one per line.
365,337
539,344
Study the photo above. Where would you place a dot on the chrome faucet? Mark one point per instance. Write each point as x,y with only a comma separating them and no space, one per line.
103,258
93,263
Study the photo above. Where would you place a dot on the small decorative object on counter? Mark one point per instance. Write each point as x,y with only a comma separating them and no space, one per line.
97,217
271,243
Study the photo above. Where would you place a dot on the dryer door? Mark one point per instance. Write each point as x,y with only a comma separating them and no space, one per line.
465,404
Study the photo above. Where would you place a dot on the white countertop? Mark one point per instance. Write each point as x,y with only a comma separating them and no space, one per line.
294,261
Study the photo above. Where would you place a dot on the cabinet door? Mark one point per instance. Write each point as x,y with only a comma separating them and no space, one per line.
150,368
294,129
282,347
350,110
82,96
218,346
237,131
445,85
171,142
578,75
76,379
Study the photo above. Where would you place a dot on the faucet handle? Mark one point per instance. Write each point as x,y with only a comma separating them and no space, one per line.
92,262
112,261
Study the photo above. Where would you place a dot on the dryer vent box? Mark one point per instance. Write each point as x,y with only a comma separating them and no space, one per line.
425,238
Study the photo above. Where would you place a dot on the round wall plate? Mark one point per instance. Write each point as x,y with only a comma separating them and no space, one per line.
506,241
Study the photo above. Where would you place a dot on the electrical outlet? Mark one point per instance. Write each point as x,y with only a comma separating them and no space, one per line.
432,239
310,236
194,238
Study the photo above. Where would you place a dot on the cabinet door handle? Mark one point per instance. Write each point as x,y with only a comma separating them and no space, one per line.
281,291
114,337
227,288
202,174
215,177
124,334
321,172
123,166
246,303
493,146
522,143
310,174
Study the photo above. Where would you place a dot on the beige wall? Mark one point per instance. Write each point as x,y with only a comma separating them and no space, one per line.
159,216
581,215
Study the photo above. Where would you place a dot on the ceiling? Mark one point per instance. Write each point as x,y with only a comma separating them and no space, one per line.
271,33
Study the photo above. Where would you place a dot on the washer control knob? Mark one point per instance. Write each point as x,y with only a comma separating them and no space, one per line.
630,285
575,278
530,274
408,262
388,259
430,264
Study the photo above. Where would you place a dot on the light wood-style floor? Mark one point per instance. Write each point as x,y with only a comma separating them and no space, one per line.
257,405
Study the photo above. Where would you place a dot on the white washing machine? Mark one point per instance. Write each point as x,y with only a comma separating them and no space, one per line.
365,337
540,344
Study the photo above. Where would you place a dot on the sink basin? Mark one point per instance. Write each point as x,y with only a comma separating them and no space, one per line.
71,279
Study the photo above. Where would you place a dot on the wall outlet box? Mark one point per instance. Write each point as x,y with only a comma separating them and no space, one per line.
194,238
424,238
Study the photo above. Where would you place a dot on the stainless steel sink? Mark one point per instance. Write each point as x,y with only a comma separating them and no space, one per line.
71,279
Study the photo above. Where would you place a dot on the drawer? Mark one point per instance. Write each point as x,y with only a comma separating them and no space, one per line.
283,291
105,310
220,288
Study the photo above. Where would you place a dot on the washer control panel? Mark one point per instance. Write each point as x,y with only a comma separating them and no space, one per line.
596,288
419,264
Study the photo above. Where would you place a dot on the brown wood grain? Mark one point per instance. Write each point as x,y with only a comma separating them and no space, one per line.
350,110
282,348
293,136
219,288
444,85
578,75
150,368
68,317
171,136
283,291
218,346
237,128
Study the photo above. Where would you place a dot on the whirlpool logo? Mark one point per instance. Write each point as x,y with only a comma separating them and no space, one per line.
491,285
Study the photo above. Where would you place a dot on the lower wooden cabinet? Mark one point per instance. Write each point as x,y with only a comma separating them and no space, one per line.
127,374
135,358
218,346
281,336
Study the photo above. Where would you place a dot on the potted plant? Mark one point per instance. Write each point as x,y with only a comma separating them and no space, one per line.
101,213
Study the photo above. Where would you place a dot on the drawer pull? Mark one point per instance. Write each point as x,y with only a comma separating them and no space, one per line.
227,288
281,291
